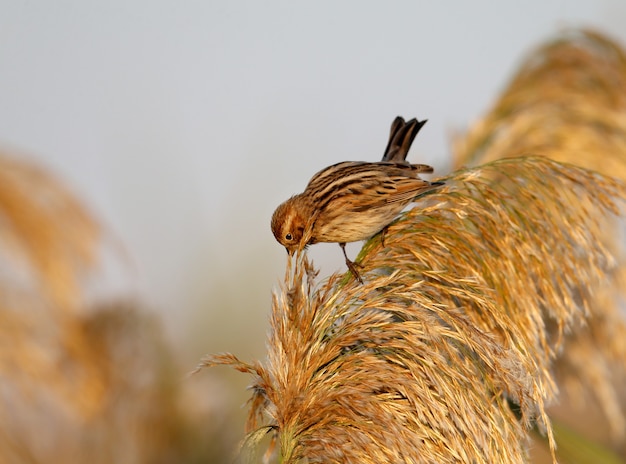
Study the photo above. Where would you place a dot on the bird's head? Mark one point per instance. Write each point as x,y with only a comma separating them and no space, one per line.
289,222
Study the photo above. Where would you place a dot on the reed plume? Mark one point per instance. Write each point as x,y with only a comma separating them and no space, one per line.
444,354
80,382
568,102
489,296
48,243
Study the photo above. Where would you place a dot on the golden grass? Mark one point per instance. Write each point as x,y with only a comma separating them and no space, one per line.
461,315
79,384
488,296
48,244
46,233
568,103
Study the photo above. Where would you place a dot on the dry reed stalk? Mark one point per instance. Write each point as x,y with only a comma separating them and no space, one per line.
568,103
444,354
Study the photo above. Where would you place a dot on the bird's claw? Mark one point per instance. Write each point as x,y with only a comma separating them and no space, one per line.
352,267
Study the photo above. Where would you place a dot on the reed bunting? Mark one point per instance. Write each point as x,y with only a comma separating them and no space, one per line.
354,200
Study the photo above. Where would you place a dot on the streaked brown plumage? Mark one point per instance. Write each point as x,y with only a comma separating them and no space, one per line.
354,200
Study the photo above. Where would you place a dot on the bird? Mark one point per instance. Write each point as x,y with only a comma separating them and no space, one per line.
354,200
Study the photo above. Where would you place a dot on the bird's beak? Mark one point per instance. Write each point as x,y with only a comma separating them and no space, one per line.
289,252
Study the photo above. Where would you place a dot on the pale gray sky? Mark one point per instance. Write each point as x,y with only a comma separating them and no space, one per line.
182,125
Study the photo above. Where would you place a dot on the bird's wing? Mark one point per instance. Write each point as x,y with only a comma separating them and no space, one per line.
380,194
408,189
369,185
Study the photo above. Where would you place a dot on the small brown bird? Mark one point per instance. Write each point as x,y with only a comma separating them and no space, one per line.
354,200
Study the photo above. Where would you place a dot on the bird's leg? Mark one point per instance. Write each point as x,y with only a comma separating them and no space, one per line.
382,236
351,264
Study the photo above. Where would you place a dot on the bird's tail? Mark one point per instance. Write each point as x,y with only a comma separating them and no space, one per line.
401,137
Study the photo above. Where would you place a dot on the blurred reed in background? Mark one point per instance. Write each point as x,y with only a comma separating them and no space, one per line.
487,298
80,382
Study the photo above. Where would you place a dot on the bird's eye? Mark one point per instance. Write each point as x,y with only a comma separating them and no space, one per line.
289,237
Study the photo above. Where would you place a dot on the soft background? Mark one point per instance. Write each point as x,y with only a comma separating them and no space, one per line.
182,125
